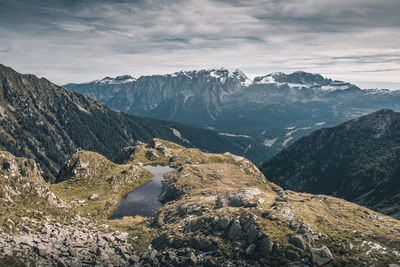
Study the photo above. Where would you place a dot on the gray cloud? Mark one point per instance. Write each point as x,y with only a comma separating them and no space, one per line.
76,41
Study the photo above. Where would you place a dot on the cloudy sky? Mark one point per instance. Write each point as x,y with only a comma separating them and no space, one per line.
78,41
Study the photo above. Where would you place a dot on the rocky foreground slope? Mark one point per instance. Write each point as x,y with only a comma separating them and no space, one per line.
357,160
219,210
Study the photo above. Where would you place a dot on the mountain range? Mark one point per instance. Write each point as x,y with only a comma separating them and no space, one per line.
357,161
213,209
48,123
274,110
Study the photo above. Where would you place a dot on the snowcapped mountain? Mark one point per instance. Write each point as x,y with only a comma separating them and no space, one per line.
117,80
263,108
298,79
301,79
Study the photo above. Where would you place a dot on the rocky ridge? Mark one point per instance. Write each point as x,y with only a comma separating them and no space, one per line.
218,210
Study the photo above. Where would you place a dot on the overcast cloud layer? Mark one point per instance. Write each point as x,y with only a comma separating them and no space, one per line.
77,41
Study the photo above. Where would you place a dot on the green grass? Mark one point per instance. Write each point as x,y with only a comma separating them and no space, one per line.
110,184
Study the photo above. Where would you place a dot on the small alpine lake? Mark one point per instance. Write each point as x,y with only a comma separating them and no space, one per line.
144,200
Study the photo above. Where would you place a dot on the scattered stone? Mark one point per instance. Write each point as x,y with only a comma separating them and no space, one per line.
348,246
250,249
93,197
10,222
298,241
223,223
42,250
26,229
266,247
321,256
193,259
151,155
235,230
292,255
242,197
281,196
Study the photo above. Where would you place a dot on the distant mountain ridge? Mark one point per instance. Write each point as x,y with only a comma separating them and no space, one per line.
274,110
48,123
357,160
299,78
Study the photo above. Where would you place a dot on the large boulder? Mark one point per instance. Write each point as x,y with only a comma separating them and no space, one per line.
298,241
235,230
242,197
321,256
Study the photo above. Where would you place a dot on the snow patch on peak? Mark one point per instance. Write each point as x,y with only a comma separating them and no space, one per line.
117,80
179,135
276,74
244,80
219,73
215,75
268,79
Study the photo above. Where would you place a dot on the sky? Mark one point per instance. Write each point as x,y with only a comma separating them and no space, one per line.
78,41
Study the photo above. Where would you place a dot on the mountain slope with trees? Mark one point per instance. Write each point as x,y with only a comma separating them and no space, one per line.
274,110
357,160
46,122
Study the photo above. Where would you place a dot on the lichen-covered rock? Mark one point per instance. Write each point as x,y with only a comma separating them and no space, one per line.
298,241
242,197
235,230
151,155
321,256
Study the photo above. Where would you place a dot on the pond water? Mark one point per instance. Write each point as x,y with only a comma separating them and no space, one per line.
144,200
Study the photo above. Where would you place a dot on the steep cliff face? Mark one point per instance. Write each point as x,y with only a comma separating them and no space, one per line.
357,160
48,123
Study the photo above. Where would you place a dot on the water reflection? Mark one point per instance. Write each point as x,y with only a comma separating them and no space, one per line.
144,200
